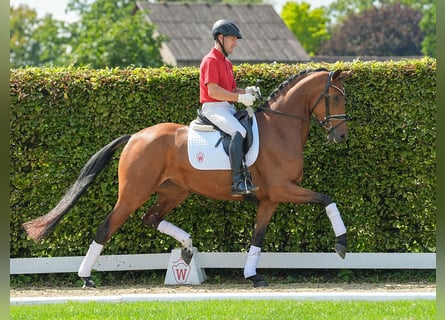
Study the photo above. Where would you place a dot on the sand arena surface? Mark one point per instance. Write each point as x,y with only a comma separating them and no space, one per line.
214,288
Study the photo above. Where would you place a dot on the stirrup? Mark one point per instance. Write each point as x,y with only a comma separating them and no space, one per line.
249,184
250,187
248,180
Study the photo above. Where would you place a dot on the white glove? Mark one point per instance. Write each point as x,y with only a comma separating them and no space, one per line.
246,98
255,91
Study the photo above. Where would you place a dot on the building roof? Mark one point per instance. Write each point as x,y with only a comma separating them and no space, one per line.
188,27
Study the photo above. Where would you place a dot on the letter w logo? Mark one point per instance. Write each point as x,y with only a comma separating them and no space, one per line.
180,271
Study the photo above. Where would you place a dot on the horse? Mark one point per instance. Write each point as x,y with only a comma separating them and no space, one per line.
154,161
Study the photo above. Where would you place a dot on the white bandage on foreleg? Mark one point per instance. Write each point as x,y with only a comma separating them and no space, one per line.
335,218
90,259
252,261
175,232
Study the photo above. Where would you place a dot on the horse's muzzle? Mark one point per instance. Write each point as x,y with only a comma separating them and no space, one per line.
337,136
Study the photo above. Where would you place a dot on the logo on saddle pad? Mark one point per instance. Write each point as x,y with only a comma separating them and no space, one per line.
205,153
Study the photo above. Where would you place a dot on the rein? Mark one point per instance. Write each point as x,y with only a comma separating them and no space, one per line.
281,113
328,115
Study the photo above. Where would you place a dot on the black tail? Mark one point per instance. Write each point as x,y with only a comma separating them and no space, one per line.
39,228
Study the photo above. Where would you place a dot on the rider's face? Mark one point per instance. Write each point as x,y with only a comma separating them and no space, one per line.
229,43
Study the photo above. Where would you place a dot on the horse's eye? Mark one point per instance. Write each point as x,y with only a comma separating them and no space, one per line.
336,98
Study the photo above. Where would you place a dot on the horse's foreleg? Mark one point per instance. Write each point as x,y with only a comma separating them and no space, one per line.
180,235
264,214
170,196
299,195
339,229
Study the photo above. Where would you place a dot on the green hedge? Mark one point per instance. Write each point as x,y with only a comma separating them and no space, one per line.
382,178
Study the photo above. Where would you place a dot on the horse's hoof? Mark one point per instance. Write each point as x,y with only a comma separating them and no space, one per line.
187,255
88,283
340,246
258,281
340,249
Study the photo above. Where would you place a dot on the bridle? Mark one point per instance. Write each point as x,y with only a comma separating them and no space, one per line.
325,123
328,116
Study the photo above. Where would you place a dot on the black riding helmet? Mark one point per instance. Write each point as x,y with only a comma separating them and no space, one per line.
226,28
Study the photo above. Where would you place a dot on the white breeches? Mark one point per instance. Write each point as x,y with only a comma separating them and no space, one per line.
221,115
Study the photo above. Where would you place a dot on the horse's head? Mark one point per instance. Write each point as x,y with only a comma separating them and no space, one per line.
329,108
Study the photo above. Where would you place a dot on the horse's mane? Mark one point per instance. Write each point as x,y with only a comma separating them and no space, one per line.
286,83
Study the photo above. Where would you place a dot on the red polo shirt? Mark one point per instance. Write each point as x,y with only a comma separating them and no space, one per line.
215,68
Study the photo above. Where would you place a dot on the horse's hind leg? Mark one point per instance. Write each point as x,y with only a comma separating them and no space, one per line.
131,196
170,196
107,228
264,214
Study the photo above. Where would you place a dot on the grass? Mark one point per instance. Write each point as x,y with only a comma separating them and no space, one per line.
230,309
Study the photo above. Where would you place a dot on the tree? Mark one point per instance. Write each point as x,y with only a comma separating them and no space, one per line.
218,1
110,34
34,41
22,23
340,10
392,30
50,41
428,27
309,26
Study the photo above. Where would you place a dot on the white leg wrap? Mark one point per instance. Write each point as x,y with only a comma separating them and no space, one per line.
175,232
90,259
336,221
252,261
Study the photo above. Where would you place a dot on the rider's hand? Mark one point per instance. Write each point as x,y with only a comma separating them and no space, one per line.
246,98
255,91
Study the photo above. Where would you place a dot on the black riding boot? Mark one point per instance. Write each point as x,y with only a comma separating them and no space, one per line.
241,185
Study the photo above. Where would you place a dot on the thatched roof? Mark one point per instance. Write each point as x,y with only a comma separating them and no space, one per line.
188,26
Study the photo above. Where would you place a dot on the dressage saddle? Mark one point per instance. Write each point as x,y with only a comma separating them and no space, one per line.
244,116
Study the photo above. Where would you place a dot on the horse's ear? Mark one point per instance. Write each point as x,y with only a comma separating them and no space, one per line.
341,74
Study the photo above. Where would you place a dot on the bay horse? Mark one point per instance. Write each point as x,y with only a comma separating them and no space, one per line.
155,160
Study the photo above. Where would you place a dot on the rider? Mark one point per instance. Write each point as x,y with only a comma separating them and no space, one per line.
218,92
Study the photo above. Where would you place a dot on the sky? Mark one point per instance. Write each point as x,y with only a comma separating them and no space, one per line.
57,7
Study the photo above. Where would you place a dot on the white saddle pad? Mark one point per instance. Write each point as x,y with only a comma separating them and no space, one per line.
204,156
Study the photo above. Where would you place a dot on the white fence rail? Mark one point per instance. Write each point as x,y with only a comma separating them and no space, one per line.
231,260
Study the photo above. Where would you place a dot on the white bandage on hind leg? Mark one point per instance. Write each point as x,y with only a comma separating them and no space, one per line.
90,259
175,232
336,221
252,261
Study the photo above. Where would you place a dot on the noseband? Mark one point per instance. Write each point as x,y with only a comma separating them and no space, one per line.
325,123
